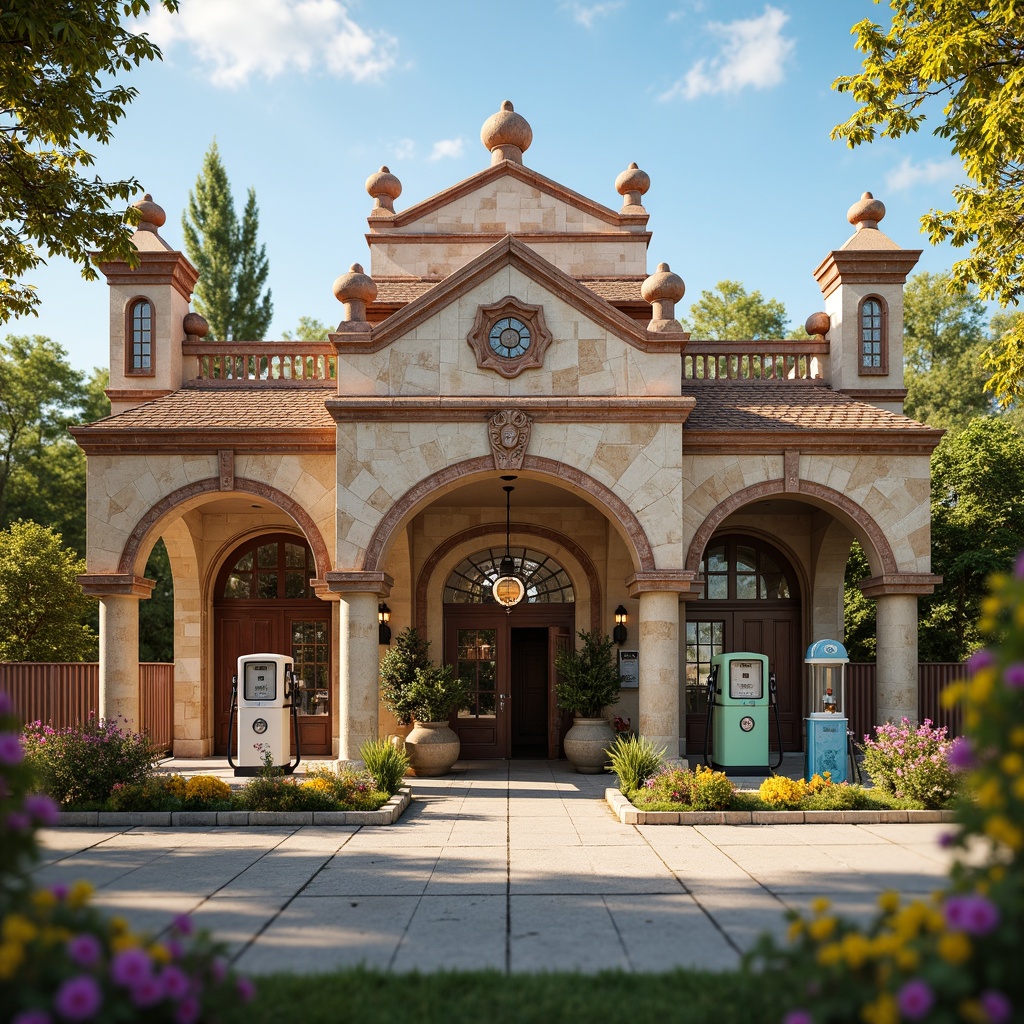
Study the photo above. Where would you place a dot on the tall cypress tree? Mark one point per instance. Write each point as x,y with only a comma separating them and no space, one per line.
232,265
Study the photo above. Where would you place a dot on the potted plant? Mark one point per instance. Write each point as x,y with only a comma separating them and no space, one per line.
588,682
416,691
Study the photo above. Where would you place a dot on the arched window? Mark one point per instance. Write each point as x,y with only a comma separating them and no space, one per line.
874,340
472,579
269,569
140,333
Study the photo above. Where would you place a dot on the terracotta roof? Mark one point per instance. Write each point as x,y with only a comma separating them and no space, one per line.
758,407
395,290
392,290
617,289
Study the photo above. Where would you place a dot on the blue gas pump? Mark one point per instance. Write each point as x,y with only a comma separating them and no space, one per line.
827,724
265,710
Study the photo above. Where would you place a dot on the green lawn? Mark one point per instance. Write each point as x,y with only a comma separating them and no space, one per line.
487,997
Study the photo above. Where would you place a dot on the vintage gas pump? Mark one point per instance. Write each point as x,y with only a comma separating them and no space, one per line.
738,709
266,711
827,723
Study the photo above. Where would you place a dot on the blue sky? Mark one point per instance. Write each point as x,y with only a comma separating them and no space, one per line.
727,106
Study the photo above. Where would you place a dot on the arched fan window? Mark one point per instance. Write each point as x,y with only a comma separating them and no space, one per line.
471,581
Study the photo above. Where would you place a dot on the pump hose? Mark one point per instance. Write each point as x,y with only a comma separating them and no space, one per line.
231,723
295,730
778,733
707,729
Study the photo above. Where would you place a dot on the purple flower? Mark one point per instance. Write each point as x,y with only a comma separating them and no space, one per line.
915,999
188,1011
32,1017
175,948
84,949
1018,569
79,998
218,969
960,753
997,1006
182,924
798,1017
131,966
42,808
60,890
979,660
246,989
175,982
973,914
10,748
947,839
19,821
147,992
1014,676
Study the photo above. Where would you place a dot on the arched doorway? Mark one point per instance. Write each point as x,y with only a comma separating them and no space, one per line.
750,602
263,603
508,654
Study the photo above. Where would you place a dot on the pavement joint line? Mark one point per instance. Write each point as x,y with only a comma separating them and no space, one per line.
508,868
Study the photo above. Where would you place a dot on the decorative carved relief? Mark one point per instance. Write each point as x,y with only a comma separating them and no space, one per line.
226,468
509,336
509,433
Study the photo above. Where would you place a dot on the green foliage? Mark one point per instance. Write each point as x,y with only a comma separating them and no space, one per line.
308,329
858,611
398,667
634,760
58,69
972,55
682,789
80,765
911,762
386,762
588,677
943,342
322,790
232,266
437,693
156,616
731,313
41,603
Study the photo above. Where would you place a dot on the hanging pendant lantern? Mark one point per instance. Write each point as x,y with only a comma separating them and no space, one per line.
508,589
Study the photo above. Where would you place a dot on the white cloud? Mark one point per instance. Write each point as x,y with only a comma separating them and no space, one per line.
909,174
404,149
753,55
586,14
445,149
235,39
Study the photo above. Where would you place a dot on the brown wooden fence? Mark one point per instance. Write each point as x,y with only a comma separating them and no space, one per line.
932,679
65,693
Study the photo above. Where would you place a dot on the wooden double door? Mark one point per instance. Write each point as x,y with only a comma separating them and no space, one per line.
509,659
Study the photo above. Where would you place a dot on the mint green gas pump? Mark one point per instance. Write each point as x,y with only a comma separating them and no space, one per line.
740,692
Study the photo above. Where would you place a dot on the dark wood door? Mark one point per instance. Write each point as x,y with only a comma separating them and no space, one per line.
528,687
238,631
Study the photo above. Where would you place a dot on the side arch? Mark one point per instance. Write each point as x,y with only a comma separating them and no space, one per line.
862,525
133,545
618,512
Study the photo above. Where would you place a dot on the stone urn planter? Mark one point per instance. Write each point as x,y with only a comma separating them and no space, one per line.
586,742
433,747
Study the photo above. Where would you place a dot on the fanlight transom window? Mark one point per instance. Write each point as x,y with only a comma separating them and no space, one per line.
472,580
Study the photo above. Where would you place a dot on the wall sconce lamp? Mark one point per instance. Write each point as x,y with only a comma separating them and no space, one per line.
619,632
383,629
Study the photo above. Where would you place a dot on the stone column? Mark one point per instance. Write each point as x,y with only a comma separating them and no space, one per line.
659,594
896,649
119,596
358,656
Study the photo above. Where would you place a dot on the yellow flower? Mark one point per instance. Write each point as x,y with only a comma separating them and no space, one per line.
1003,831
1018,788
820,905
973,1012
882,1011
11,956
982,684
795,930
889,901
43,900
160,953
954,948
990,795
1012,763
971,719
126,940
118,925
907,959
886,944
54,936
18,929
79,895
1017,735
997,872
830,955
952,694
856,949
821,928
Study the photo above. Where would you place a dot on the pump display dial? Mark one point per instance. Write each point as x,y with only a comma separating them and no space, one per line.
746,723
259,726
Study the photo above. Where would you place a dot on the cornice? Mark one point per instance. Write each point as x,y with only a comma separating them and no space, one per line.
478,408
864,266
835,442
203,440
170,267
116,585
910,583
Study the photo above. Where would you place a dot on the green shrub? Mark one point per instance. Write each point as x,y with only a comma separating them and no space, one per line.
588,677
386,762
911,762
323,789
712,791
149,795
680,788
80,765
634,760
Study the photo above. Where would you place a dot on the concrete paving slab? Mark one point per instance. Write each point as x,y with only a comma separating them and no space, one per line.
469,871
454,932
564,933
401,872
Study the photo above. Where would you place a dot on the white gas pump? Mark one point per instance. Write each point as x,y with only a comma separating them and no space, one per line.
263,690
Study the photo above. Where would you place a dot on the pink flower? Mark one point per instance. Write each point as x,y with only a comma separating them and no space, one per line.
175,982
131,966
32,1017
1014,676
148,992
11,751
182,924
798,1017
997,1006
59,890
84,950
979,660
915,999
960,753
218,969
246,989
19,821
79,998
973,914
42,808
188,1011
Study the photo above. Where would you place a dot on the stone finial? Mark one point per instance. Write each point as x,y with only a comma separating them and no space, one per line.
151,215
631,184
866,213
195,326
818,324
354,290
663,290
384,188
506,134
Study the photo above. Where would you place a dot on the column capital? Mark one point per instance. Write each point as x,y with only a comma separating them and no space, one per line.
684,582
913,583
116,584
355,582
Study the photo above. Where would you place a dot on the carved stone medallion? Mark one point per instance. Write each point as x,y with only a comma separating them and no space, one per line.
509,336
509,433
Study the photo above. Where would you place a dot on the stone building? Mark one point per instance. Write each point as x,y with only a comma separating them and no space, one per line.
507,334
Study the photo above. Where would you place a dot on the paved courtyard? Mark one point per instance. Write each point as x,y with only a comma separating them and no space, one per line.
518,866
